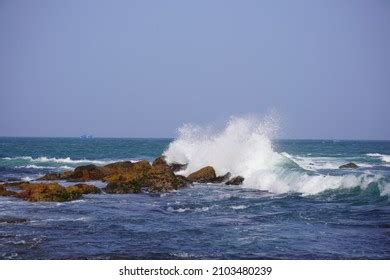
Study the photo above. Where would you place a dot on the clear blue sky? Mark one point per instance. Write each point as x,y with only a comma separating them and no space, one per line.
143,68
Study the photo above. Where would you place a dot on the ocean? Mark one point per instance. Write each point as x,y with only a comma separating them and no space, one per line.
295,202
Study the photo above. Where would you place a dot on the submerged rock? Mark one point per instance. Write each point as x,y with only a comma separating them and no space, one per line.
238,180
204,175
349,165
12,220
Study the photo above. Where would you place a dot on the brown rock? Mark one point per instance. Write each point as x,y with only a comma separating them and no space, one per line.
238,180
204,175
47,192
127,172
84,189
87,172
122,188
160,178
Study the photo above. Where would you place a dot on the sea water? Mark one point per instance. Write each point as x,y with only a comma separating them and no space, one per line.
295,202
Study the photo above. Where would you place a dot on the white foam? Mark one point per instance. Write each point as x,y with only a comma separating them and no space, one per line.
383,157
66,160
244,148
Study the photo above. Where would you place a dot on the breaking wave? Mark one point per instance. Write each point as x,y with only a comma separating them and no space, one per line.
67,160
244,147
384,158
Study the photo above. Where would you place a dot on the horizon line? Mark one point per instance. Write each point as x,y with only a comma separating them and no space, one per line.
143,137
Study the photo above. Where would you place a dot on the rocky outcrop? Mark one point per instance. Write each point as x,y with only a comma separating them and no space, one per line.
349,165
86,173
173,166
160,178
122,177
48,192
125,172
238,180
221,179
204,175
118,188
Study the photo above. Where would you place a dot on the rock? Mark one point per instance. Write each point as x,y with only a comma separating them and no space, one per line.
86,172
51,177
173,166
122,188
12,220
238,180
5,192
177,166
160,161
349,165
221,179
160,178
126,172
84,189
204,175
35,192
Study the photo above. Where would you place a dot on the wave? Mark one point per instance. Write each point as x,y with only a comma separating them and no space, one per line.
244,147
33,166
58,160
322,163
383,157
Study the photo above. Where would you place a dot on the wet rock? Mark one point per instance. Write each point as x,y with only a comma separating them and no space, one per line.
35,192
5,192
204,175
51,177
349,165
46,192
12,220
238,180
221,179
159,161
84,189
160,178
86,172
126,172
121,188
173,166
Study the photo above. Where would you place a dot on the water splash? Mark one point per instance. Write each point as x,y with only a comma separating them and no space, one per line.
244,147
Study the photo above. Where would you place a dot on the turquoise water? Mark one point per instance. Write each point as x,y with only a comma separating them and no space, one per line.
303,207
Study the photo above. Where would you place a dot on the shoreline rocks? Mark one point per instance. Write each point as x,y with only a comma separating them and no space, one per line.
238,180
203,175
121,177
54,192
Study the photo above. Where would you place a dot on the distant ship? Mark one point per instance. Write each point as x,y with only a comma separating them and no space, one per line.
86,136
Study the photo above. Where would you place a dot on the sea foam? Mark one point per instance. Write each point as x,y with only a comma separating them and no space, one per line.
244,147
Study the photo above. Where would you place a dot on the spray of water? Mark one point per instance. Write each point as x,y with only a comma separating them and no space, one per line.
244,147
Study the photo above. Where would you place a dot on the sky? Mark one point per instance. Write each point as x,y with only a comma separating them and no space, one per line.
144,68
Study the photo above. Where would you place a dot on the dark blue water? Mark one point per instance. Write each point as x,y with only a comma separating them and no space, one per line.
202,221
